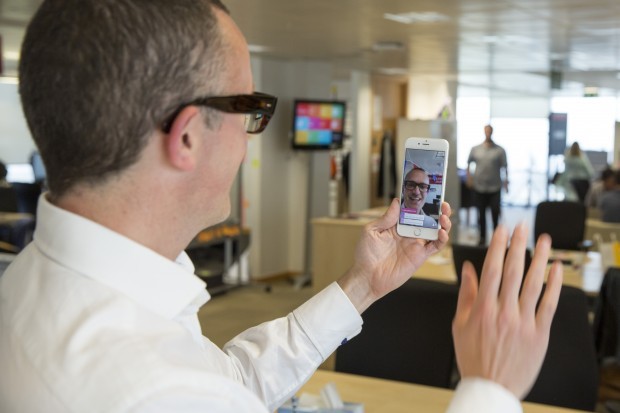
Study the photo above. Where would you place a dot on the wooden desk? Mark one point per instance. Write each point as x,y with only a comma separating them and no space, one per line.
381,396
587,275
333,248
8,218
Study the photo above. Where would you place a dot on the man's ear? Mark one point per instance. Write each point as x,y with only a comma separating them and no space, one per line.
180,142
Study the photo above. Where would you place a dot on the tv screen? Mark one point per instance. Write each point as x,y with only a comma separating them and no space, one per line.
318,124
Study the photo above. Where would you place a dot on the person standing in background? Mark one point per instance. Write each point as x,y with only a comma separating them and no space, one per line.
486,181
576,166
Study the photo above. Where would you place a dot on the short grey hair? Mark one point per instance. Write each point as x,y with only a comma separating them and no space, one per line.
97,77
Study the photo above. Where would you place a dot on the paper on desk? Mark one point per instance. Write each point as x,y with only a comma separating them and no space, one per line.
439,259
328,402
330,396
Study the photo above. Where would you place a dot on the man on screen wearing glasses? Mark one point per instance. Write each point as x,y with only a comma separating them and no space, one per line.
416,187
140,110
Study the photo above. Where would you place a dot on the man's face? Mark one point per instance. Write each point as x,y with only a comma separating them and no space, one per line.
415,198
488,131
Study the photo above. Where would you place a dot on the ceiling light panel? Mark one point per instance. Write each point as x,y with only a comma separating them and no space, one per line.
417,17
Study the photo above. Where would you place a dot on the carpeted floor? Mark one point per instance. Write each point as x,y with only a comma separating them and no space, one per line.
227,315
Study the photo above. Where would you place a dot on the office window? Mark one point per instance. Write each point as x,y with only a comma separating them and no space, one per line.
472,114
591,121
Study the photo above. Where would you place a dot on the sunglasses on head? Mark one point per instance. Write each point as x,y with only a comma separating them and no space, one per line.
258,108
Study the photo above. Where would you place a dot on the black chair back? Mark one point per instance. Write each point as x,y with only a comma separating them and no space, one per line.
407,336
27,196
606,328
8,199
606,324
564,221
569,374
476,254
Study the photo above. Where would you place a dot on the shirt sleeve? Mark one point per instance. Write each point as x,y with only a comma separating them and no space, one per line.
276,358
588,166
504,159
471,157
476,395
233,398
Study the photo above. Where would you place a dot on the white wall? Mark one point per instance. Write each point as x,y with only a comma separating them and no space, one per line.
427,95
16,145
520,107
361,101
276,177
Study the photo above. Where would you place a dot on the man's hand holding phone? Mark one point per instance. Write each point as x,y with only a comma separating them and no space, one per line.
384,260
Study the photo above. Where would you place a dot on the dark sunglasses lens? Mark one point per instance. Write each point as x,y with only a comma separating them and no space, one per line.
256,122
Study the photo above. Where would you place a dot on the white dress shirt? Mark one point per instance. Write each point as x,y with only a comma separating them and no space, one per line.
91,321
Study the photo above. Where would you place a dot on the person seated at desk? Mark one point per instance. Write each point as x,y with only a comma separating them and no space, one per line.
599,187
416,186
610,201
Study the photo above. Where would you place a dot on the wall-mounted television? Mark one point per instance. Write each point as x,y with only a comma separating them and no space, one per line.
318,124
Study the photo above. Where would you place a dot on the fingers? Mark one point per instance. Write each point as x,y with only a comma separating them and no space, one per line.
468,291
493,265
513,267
446,209
549,302
442,236
535,276
444,218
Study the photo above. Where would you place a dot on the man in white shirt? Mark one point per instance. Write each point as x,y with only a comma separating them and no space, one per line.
140,110
486,180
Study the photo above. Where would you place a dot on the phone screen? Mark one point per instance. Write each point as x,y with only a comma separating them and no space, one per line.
422,188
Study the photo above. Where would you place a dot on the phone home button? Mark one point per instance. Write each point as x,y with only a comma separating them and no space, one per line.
417,232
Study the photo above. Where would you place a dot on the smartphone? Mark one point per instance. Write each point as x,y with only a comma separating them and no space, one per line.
423,183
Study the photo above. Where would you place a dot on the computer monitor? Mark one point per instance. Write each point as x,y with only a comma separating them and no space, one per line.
318,124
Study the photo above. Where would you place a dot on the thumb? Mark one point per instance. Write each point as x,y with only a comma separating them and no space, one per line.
389,219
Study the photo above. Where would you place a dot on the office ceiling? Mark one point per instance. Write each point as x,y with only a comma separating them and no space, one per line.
511,45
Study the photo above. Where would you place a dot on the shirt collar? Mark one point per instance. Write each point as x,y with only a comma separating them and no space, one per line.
163,286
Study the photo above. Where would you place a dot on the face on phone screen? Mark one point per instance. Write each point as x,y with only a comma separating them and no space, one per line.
422,187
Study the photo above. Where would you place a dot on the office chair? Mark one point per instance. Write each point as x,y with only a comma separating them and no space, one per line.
607,316
476,254
569,374
8,199
407,336
606,328
27,196
564,221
